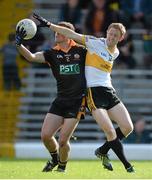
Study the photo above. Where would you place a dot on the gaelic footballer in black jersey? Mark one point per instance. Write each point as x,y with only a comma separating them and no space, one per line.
68,70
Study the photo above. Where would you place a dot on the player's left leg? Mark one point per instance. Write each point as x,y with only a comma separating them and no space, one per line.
66,132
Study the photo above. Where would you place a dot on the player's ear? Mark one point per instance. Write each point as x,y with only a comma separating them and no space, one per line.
121,38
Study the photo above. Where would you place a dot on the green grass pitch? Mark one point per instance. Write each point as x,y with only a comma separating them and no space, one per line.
76,169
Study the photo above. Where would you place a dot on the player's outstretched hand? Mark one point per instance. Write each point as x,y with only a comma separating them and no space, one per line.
20,34
43,22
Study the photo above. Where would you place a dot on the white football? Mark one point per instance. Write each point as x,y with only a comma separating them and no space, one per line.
29,26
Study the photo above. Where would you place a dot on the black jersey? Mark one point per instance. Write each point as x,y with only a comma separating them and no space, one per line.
69,70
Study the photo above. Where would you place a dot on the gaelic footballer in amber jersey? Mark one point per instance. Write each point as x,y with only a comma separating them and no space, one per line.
99,62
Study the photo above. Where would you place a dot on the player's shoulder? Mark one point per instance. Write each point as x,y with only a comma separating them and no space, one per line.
80,47
103,40
95,39
49,52
89,37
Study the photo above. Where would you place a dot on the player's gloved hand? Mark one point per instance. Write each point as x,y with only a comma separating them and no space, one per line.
20,34
43,22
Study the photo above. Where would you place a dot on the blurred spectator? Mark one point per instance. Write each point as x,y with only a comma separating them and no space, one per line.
45,46
10,70
99,17
114,5
126,59
71,12
137,12
84,4
140,134
147,43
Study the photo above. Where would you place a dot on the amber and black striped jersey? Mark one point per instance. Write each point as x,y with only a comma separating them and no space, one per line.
68,69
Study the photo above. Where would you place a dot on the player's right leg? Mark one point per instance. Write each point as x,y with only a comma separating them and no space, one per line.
105,159
106,125
66,132
120,115
50,126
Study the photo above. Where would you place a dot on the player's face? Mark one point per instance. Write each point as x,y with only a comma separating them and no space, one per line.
113,36
59,38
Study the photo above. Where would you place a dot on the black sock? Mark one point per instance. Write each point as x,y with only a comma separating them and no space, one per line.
62,165
105,147
54,156
117,147
119,133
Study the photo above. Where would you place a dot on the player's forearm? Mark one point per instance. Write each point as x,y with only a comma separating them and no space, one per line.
62,30
66,32
59,29
26,53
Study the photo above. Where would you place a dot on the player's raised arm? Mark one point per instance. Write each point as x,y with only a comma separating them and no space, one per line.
60,29
37,57
67,32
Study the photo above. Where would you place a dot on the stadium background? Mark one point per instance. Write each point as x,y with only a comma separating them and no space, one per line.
22,111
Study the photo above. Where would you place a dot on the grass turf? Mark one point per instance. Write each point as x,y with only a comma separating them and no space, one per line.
90,169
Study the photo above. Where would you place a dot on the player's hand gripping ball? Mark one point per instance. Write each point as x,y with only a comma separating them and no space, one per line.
29,27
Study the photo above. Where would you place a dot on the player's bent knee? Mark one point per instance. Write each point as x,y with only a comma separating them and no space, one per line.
45,137
63,142
128,129
111,134
131,128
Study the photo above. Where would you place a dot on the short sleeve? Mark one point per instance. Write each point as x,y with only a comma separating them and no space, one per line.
47,55
90,42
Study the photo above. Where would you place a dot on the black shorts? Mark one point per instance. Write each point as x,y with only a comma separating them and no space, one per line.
101,97
69,108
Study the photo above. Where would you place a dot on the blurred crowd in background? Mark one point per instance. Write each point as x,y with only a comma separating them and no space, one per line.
134,14
92,17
